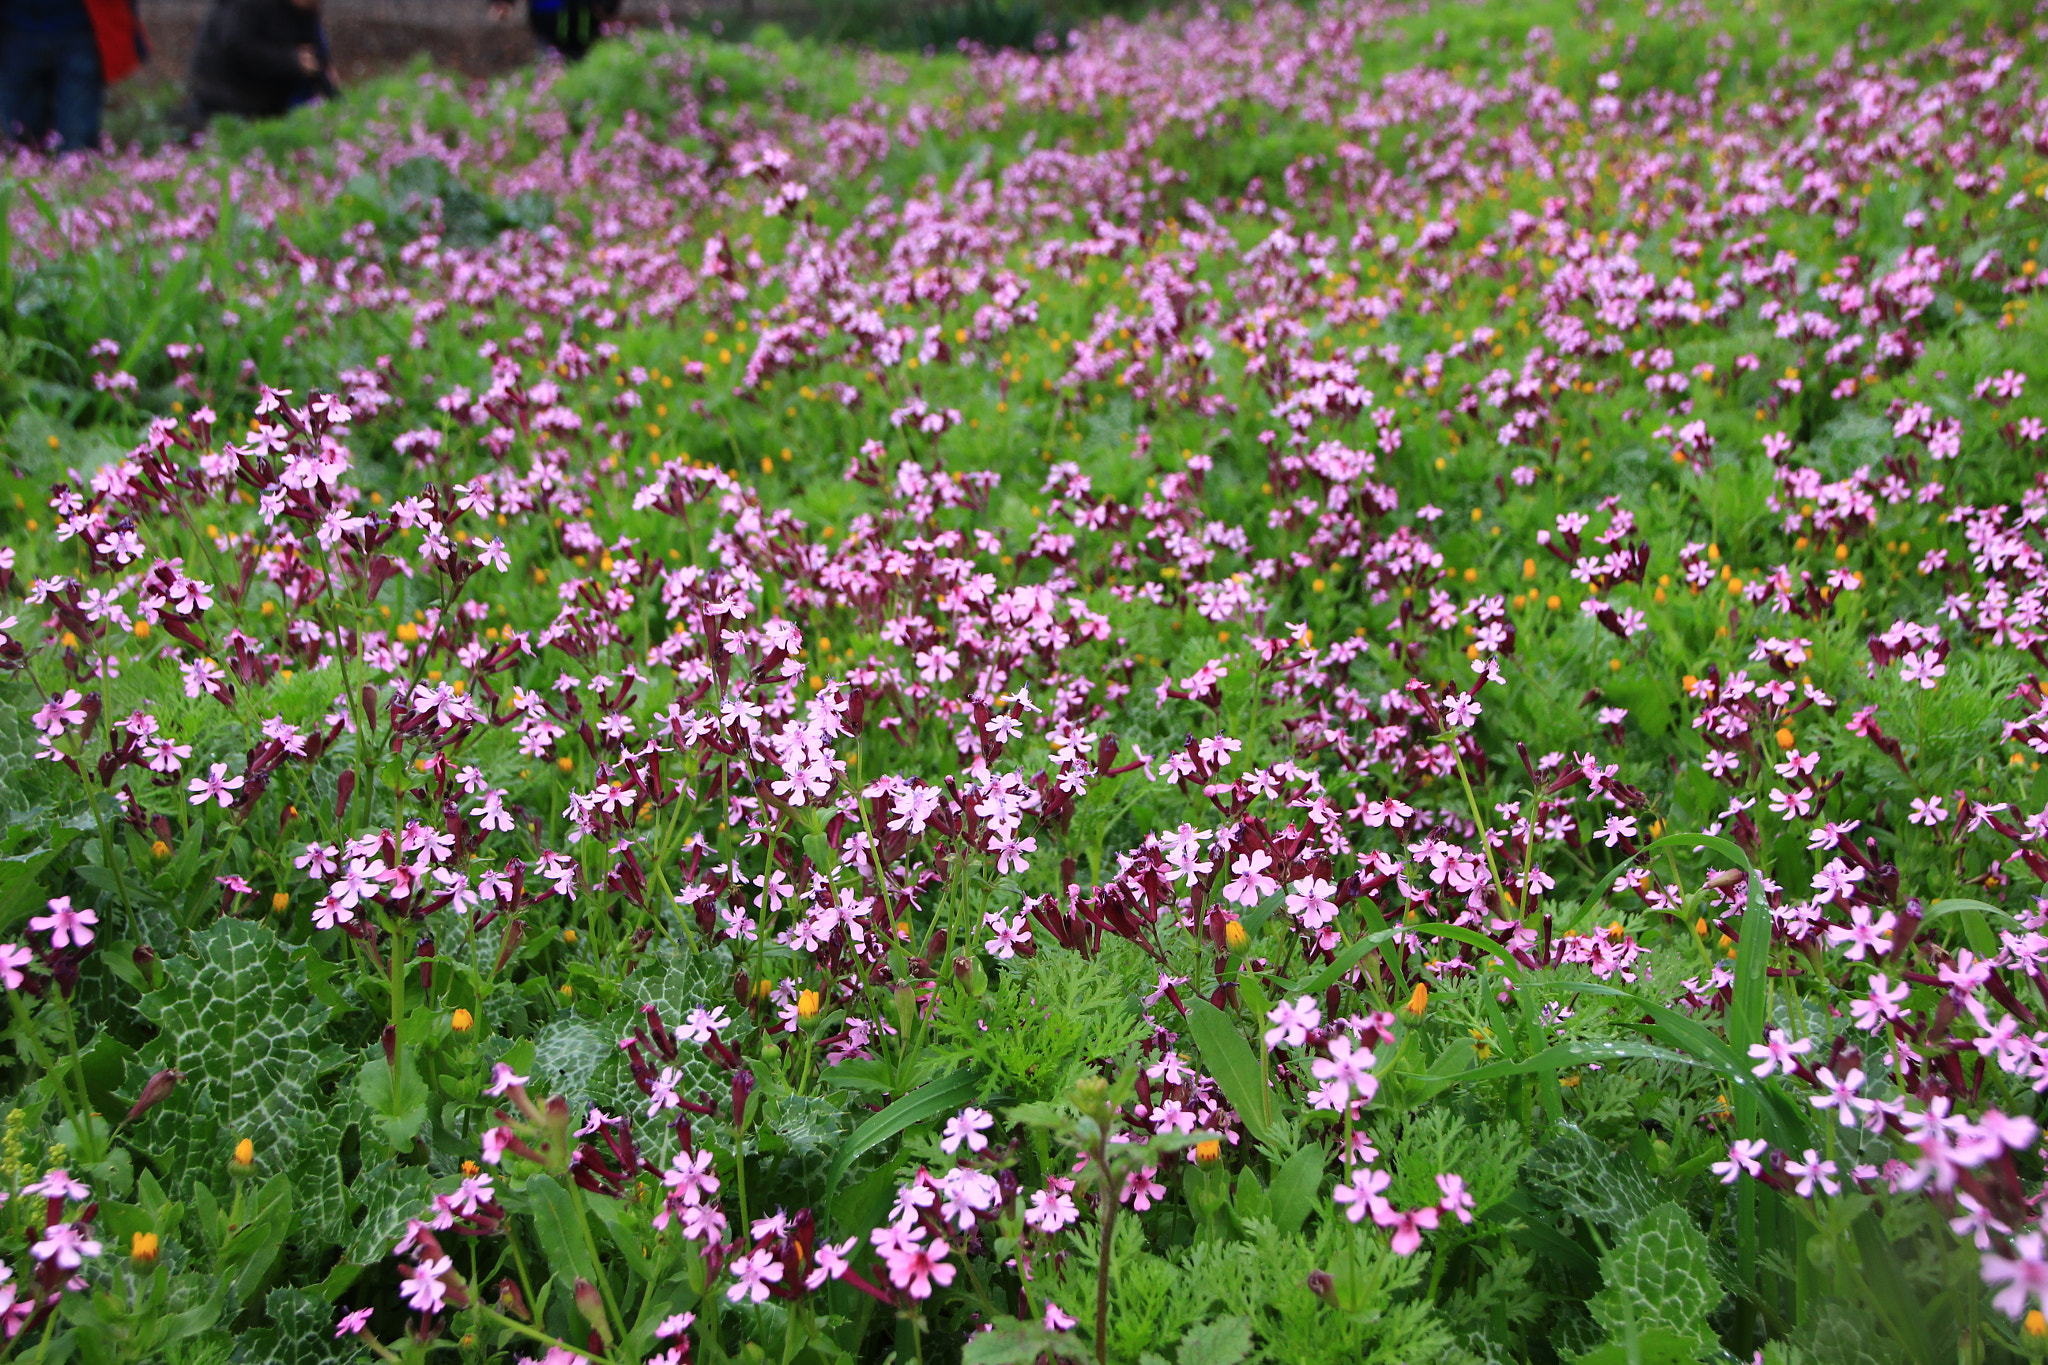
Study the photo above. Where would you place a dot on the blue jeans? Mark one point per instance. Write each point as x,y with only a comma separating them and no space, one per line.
51,82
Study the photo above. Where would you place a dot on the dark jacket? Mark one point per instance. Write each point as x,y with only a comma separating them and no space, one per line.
247,60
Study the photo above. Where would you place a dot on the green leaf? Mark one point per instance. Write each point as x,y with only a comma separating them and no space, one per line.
1295,1186
1355,953
396,1096
1013,1342
1659,1282
235,1016
1896,1301
1225,1341
389,1194
297,1329
1227,1057
560,1232
1653,1346
1589,1180
926,1102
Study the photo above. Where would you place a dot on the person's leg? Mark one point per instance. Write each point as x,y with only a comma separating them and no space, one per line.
78,89
24,88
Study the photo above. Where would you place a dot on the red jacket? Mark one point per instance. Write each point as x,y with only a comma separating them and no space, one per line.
123,47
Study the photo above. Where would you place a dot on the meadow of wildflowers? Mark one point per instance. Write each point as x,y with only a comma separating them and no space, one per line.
1286,685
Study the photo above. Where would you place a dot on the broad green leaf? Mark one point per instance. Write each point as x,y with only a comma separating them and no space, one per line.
1658,1282
1225,1341
396,1096
1352,955
1896,1301
389,1194
1227,1057
235,1015
560,1231
926,1102
1013,1342
1586,1178
1295,1186
296,1329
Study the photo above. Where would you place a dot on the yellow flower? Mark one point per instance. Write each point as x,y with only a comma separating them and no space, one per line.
1210,1152
1234,935
1418,1000
245,1153
2037,1326
462,1021
278,902
143,1247
807,1006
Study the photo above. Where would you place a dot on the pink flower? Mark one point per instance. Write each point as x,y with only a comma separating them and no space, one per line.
1407,1225
64,925
2024,1275
216,785
66,1244
1457,1200
752,1274
13,957
967,1127
916,1267
1250,884
421,1287
352,1323
1742,1157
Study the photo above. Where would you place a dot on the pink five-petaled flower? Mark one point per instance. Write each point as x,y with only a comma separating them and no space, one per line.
1742,1157
1840,1095
2024,1275
13,957
64,925
66,1244
752,1274
967,1126
1250,884
422,1289
1407,1225
352,1323
1864,935
1141,1189
215,786
1358,1197
1348,1068
1291,1023
503,1078
914,1266
1776,1053
1457,1200
1810,1171
1929,812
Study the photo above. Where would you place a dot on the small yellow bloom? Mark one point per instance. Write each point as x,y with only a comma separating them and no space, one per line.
807,1005
566,763
142,630
2037,1326
1234,935
462,1021
1210,1152
160,849
1418,1000
143,1247
409,632
245,1153
1786,739
279,901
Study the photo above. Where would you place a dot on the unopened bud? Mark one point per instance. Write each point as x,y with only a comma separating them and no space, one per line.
154,1092
590,1304
1418,1000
